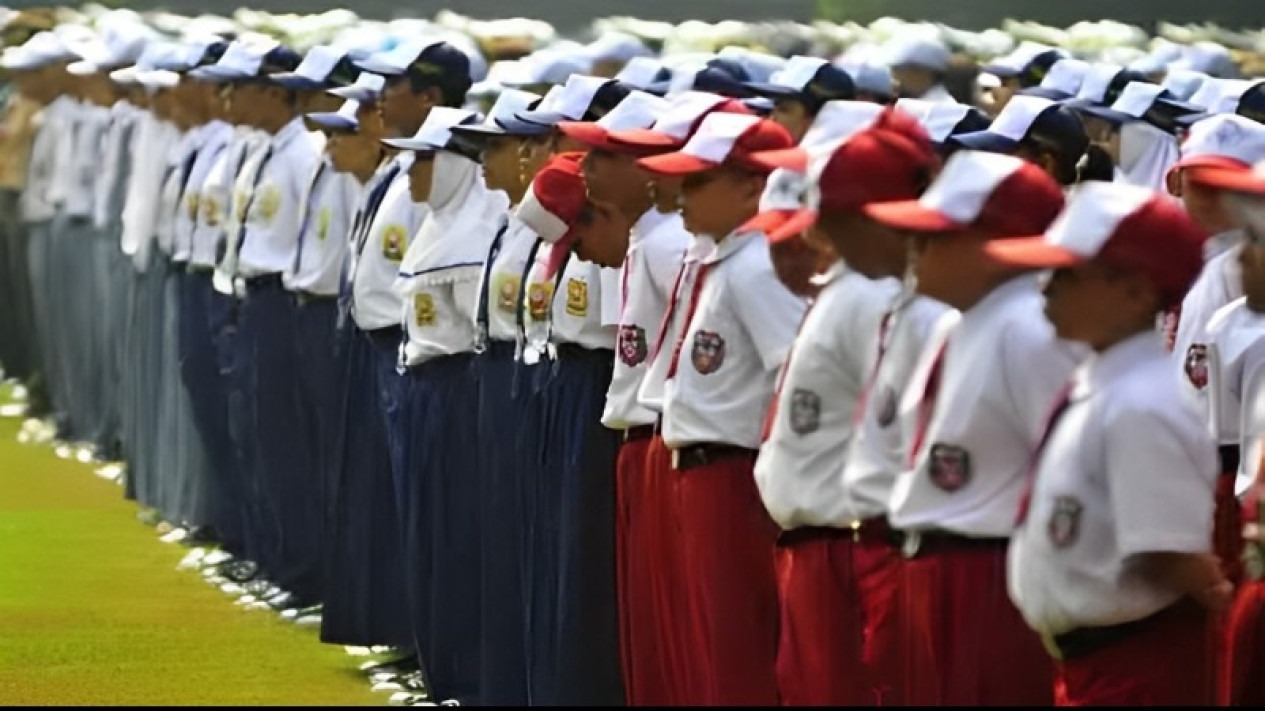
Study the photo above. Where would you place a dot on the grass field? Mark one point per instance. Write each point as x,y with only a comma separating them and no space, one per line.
93,611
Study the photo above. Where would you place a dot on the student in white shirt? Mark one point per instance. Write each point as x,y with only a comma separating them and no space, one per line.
1236,388
973,410
1111,562
837,573
741,321
1214,145
438,498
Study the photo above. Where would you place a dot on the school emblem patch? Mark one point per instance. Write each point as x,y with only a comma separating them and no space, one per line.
632,345
708,353
805,411
577,298
211,212
538,299
394,242
1065,521
424,310
950,467
507,292
885,407
239,206
1197,365
269,201
322,223
191,205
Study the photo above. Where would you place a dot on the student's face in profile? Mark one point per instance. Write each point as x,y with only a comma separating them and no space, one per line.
1098,304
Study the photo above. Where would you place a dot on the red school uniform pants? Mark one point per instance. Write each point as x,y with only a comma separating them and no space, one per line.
965,643
838,592
727,576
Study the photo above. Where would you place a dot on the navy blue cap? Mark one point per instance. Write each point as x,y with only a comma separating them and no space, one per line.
1115,88
1055,127
827,83
1032,72
719,75
1252,103
418,59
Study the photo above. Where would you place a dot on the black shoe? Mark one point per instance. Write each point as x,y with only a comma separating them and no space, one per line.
201,536
283,601
402,665
242,571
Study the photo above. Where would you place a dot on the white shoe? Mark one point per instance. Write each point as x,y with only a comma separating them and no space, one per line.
192,560
12,410
216,557
232,589
111,471
175,535
63,451
85,455
308,620
259,605
406,698
244,600
352,651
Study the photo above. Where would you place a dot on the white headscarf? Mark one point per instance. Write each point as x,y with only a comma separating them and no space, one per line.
1146,154
454,240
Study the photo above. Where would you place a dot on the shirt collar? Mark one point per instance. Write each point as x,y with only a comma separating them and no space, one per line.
997,299
1221,243
732,245
1104,368
288,133
647,223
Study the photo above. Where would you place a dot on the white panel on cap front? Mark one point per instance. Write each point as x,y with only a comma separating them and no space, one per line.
683,110
370,81
403,54
1208,92
576,95
639,71
550,102
319,62
967,181
839,120
637,110
1226,135
437,129
1096,82
1136,98
1066,76
1094,210
1016,119
1227,100
244,58
509,103
544,223
784,190
1184,83
683,79
797,72
349,109
717,135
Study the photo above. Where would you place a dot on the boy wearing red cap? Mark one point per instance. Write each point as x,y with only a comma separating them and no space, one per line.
1236,390
820,557
1111,562
971,413
739,323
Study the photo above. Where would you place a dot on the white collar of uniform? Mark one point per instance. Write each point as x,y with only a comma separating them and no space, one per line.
997,299
1104,368
1221,242
1235,328
732,245
649,220
288,133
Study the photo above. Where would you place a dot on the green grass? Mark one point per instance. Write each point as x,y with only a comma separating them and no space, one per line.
93,611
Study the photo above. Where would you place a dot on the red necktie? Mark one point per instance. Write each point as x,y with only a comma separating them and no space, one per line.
883,327
1034,461
689,317
927,407
666,323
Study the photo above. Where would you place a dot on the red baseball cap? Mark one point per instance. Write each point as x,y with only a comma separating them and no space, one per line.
639,110
998,194
834,124
1225,142
1123,225
1239,180
721,139
679,120
891,160
556,198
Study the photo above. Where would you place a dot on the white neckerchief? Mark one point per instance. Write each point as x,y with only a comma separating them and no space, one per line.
1146,154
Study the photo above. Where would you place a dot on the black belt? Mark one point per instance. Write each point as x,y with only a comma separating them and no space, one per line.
638,433
383,338
192,268
920,543
264,281
303,298
1229,455
697,455
871,531
1086,640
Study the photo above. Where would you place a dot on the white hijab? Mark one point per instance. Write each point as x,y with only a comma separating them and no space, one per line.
1146,154
453,242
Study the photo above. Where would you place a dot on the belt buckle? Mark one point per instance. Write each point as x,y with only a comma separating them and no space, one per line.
909,547
856,531
676,460
1051,646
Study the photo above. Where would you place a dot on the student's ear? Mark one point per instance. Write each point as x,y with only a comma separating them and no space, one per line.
1173,181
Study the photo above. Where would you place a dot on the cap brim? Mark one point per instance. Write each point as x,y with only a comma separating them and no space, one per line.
772,91
548,119
1205,163
82,68
515,127
782,225
646,139
795,159
333,121
217,75
1109,115
1031,253
1046,93
595,136
676,164
410,144
1182,105
1192,119
1000,70
768,221
355,93
983,141
386,70
297,82
481,130
910,215
1239,180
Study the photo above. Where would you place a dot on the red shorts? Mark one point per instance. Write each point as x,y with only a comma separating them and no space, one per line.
965,642
638,641
1245,667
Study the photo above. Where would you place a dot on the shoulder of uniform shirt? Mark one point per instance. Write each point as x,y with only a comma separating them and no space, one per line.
1141,384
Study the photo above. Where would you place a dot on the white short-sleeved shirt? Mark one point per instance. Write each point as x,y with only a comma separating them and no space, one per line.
656,248
742,327
169,193
65,165
1002,371
578,306
503,280
110,175
1236,384
877,453
812,422
1218,284
375,303
212,143
323,242
215,196
1128,469
654,383
241,189
437,320
38,202
275,211
88,151
153,144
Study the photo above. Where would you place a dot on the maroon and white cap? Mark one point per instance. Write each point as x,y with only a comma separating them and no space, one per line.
992,192
1122,225
722,138
678,121
1222,142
